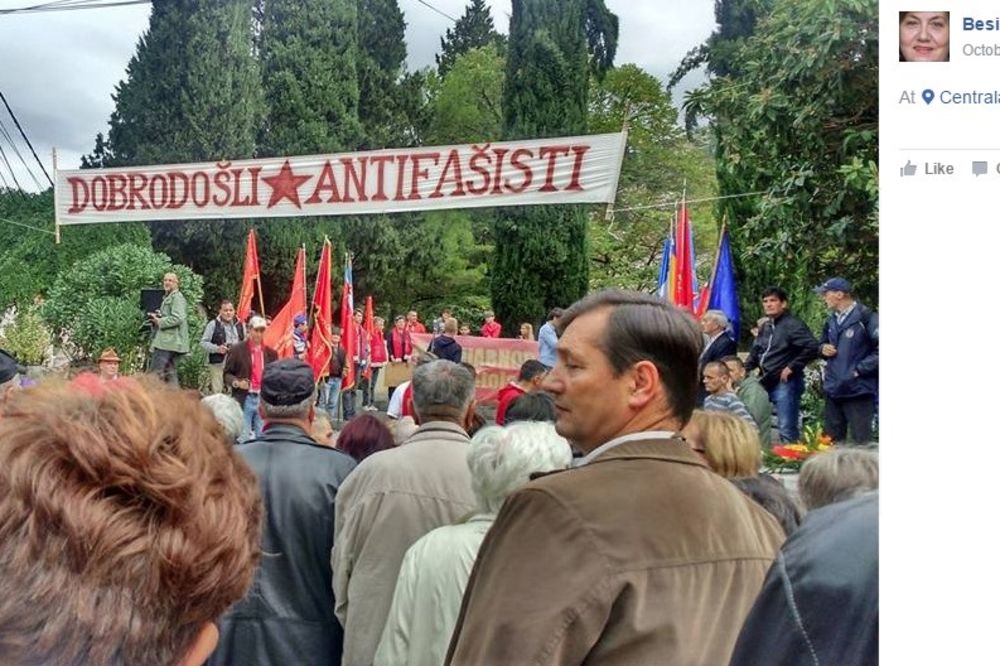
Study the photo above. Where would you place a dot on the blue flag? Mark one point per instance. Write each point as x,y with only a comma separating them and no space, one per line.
665,289
724,296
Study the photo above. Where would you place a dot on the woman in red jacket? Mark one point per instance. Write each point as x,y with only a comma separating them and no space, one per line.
379,357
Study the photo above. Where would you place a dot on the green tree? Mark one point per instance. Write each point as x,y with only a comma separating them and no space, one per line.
736,21
96,302
473,30
308,53
389,101
192,93
542,256
466,104
800,124
660,164
31,260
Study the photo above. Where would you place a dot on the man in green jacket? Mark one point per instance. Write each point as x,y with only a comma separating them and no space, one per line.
754,396
171,338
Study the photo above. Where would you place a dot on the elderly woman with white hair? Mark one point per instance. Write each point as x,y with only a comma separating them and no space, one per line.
227,412
436,568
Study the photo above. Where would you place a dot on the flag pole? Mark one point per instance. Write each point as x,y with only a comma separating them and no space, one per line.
260,287
609,213
718,253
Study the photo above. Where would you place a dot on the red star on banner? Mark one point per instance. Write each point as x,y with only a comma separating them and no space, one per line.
285,185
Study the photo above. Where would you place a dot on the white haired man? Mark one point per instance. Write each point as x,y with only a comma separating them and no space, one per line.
434,572
394,497
718,343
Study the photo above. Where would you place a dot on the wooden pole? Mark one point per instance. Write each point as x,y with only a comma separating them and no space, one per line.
260,289
609,213
55,191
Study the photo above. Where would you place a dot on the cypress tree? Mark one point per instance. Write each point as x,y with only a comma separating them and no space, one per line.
472,31
192,93
308,54
541,258
389,101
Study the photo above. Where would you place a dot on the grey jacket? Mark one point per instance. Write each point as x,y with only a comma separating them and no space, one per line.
392,499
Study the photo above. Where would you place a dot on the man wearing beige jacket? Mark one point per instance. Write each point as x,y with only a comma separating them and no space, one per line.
639,554
394,497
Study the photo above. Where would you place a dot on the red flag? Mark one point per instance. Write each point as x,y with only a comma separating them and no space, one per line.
369,330
279,332
320,347
683,289
348,338
251,280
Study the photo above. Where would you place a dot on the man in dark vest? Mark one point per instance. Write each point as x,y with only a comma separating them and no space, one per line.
220,335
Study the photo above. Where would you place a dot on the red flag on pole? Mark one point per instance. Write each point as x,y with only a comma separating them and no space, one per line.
279,332
369,330
251,280
683,289
320,347
348,337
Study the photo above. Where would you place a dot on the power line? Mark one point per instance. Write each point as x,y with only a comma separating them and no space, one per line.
427,4
25,137
65,6
10,141
3,156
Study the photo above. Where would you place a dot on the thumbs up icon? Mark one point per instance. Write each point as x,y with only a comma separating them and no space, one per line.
909,169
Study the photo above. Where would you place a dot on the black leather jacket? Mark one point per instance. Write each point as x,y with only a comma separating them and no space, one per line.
782,342
287,616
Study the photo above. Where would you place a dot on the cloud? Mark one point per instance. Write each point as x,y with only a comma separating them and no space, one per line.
61,68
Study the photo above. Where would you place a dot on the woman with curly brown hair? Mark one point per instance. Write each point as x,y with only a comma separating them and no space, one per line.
128,524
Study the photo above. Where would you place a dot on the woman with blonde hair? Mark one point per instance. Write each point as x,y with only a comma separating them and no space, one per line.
527,332
729,444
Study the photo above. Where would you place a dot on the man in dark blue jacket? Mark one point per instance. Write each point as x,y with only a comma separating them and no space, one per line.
818,605
287,617
783,348
849,344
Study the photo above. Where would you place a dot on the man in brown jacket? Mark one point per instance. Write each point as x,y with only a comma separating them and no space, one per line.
639,554
243,372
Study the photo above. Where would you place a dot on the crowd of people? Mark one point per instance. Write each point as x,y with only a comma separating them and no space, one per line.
603,519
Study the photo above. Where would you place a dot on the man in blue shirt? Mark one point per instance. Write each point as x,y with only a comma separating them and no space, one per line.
547,339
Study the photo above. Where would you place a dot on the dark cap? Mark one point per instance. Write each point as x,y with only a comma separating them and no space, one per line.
301,319
287,382
834,284
9,367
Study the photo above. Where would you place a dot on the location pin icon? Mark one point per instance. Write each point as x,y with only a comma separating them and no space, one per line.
928,95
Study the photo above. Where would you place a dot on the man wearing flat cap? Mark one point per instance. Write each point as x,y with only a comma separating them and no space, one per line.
107,365
288,616
10,375
243,372
849,345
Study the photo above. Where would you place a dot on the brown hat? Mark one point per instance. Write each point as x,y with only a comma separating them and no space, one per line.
109,355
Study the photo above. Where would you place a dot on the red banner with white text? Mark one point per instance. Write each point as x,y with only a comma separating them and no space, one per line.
566,170
496,360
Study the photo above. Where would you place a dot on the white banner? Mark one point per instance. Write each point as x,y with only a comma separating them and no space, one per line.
578,169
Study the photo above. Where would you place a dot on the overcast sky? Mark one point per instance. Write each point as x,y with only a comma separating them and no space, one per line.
59,69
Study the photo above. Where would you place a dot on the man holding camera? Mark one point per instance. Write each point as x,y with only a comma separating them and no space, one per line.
171,338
